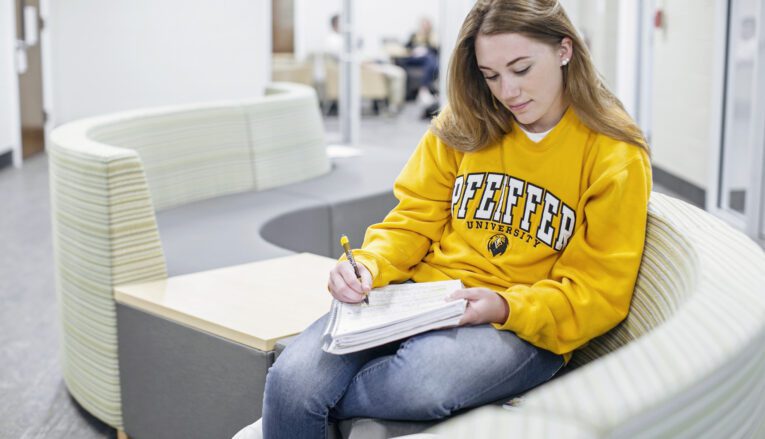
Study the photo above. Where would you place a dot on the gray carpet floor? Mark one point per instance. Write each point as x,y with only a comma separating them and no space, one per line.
34,402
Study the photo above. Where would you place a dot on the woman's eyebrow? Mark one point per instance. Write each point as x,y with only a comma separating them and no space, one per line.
520,58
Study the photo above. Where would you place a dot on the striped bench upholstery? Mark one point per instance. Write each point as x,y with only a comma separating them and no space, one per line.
109,175
699,372
688,361
666,279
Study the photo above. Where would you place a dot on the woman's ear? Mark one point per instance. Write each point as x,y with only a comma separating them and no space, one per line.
566,50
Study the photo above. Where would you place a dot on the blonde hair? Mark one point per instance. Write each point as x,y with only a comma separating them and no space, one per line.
473,120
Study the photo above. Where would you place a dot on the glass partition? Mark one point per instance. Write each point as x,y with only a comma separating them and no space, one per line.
737,153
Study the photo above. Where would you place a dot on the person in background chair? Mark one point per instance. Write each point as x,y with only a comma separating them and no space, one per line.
532,188
423,53
395,76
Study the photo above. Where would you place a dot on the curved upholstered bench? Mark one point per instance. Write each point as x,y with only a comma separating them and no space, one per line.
691,347
306,216
110,174
688,361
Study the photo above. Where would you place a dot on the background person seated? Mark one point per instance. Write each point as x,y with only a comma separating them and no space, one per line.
423,54
394,77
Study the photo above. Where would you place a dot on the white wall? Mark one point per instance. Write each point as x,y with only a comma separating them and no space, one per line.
611,28
628,55
312,24
598,21
9,105
682,90
108,56
683,86
453,13
374,20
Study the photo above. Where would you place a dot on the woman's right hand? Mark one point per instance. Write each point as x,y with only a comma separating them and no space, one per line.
343,284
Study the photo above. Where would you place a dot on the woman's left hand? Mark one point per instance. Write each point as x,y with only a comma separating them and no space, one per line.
484,306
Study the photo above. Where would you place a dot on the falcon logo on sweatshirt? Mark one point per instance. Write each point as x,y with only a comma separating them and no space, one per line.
497,244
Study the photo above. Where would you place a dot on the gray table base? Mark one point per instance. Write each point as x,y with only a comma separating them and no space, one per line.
179,382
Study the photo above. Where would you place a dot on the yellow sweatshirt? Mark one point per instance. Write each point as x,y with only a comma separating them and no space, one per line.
556,228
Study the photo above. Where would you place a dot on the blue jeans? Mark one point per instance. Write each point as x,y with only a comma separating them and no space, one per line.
425,377
429,64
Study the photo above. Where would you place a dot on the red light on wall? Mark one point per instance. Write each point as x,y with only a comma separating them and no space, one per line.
658,19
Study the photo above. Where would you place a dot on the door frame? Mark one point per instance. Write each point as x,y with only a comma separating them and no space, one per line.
752,220
756,190
721,86
644,98
9,42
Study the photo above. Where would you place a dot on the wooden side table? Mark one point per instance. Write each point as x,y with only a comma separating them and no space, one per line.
194,349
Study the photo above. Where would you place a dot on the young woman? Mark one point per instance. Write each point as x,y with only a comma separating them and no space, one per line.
532,188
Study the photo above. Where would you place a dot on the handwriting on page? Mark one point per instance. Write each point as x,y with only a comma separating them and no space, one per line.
392,303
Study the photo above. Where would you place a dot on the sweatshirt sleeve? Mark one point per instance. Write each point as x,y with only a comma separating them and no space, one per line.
590,286
395,246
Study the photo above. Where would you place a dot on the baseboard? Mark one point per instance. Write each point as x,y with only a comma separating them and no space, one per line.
683,188
6,159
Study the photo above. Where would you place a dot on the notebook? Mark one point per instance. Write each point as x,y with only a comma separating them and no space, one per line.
394,312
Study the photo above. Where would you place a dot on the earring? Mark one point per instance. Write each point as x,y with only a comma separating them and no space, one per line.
564,62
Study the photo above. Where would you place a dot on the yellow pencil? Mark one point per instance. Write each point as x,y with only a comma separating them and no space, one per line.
347,247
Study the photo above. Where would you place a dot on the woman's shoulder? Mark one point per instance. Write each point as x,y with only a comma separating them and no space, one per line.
439,146
607,145
601,145
610,155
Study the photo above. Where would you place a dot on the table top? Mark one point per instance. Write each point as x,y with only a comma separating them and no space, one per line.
255,304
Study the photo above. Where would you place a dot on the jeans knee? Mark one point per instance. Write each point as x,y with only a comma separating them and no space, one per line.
429,399
299,386
289,409
283,388
428,408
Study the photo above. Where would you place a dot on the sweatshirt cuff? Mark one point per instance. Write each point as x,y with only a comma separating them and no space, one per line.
518,317
515,315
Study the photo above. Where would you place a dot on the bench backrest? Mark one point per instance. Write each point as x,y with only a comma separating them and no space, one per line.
667,276
192,153
700,371
108,176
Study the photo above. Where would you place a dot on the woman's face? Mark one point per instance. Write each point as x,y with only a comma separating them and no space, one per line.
525,75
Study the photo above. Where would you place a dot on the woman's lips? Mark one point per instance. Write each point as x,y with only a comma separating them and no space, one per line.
519,107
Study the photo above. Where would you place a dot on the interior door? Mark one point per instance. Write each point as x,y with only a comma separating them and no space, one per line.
737,148
30,80
10,131
283,31
756,196
737,195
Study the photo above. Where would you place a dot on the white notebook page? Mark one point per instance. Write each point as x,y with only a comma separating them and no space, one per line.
393,303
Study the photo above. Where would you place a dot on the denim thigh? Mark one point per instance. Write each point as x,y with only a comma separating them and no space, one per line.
305,382
435,374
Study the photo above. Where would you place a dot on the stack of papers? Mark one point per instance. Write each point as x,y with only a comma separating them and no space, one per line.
394,312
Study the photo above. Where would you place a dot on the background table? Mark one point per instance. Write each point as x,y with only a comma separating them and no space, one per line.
190,344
